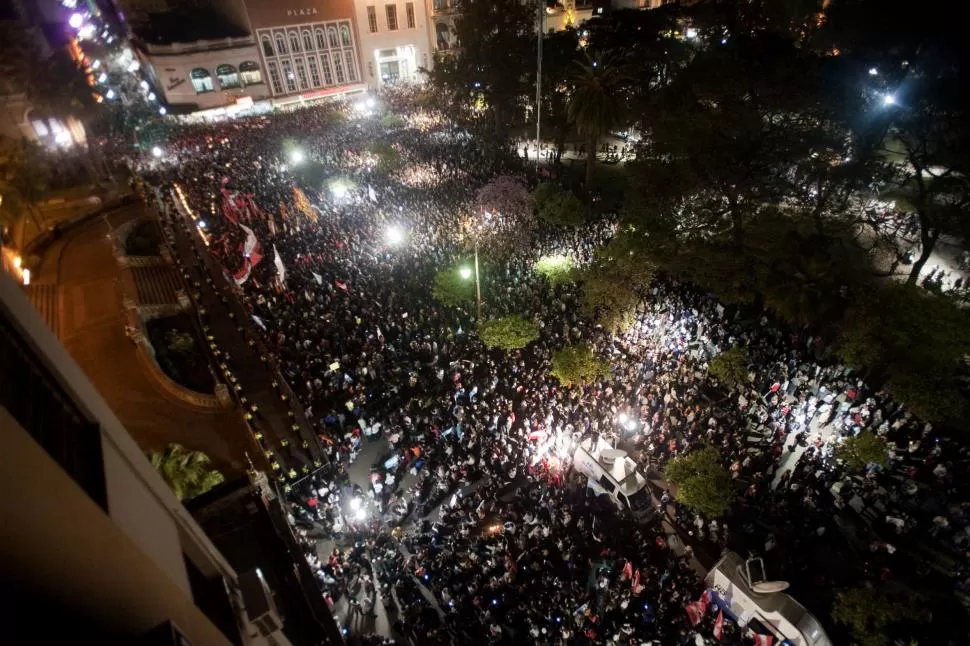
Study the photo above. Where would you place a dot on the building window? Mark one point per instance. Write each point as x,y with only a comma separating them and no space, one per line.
338,67
409,12
267,46
201,80
274,77
228,77
345,34
321,40
314,71
288,77
332,37
250,74
372,19
280,44
351,65
301,73
294,42
307,42
391,10
327,72
442,32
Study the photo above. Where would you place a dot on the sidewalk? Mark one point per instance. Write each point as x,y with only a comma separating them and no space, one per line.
86,277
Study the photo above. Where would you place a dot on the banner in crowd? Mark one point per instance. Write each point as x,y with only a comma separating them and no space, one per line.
280,269
302,204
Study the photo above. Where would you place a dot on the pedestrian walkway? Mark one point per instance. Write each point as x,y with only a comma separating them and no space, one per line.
89,316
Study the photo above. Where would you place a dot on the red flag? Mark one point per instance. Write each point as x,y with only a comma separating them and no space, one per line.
763,640
705,601
637,588
242,275
341,285
627,571
228,210
719,625
694,613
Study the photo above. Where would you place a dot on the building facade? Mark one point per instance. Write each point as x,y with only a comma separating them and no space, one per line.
308,48
207,74
394,41
94,541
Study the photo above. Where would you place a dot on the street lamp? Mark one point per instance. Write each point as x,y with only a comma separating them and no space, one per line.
465,273
296,156
156,152
888,99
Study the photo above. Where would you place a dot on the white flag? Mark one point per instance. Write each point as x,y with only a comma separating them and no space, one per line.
250,243
259,321
281,270
317,277
372,193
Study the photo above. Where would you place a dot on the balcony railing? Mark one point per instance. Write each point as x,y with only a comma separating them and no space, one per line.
34,398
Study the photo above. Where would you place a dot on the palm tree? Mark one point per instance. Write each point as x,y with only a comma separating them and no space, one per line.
596,107
186,472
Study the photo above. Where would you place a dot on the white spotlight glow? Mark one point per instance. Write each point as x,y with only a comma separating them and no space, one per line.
156,151
76,20
465,272
888,99
296,156
394,234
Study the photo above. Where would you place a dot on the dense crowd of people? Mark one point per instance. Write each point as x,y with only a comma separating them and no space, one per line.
475,530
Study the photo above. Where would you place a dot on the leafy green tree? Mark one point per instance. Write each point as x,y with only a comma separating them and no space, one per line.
863,449
186,472
491,64
543,193
575,365
703,484
24,173
596,106
508,333
557,269
564,209
393,121
912,341
388,157
451,289
870,615
612,284
181,342
731,367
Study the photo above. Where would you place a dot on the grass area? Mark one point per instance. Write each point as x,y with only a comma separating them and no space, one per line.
143,240
179,352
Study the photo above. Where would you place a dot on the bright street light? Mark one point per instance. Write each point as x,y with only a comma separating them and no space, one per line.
296,156
394,234
156,152
76,20
888,99
465,272
873,71
339,190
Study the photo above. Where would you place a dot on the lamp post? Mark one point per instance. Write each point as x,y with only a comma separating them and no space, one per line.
478,284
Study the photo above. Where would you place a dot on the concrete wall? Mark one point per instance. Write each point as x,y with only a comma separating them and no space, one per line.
412,45
173,67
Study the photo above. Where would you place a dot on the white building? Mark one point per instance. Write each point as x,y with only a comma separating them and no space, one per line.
94,541
206,74
394,41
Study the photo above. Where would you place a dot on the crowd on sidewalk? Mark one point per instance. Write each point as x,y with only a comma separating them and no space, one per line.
527,556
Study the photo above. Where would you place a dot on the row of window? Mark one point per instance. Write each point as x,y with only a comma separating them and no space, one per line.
390,12
306,39
229,77
301,73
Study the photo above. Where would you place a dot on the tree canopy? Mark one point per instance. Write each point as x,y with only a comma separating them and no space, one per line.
186,472
575,365
703,484
731,367
859,451
451,289
870,615
509,332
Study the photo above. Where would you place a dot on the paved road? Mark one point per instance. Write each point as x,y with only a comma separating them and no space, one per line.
89,285
225,317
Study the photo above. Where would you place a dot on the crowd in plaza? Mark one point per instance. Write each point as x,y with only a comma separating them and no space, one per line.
500,543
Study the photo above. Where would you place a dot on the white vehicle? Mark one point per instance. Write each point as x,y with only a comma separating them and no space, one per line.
611,472
742,591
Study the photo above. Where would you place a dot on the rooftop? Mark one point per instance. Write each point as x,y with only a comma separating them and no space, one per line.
187,26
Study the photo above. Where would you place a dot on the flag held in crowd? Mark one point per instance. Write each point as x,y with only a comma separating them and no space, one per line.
719,625
280,269
317,277
302,204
